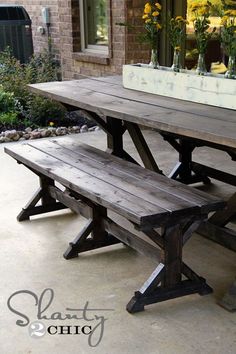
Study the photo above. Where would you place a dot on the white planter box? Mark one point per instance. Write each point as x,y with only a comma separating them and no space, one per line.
214,90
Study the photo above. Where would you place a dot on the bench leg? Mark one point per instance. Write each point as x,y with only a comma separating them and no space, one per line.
92,236
166,282
48,203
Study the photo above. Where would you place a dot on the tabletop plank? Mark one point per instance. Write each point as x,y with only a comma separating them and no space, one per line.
215,125
114,87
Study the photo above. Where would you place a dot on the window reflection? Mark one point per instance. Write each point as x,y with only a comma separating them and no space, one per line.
97,22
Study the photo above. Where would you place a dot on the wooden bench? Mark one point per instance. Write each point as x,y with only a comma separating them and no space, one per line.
90,182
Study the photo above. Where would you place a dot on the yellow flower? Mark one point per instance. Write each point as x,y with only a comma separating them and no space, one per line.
145,16
203,11
51,124
178,48
158,26
224,20
155,13
147,8
158,5
148,20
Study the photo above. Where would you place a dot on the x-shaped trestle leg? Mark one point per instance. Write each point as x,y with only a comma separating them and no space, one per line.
166,282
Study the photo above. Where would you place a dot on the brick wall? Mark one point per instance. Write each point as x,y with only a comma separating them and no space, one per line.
65,31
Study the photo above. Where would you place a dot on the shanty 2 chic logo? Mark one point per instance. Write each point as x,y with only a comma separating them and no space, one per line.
89,321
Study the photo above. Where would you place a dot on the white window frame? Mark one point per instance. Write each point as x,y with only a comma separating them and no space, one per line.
99,49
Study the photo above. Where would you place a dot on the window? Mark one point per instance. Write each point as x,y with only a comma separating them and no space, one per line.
94,26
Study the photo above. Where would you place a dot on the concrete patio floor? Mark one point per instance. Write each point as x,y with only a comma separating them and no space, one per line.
31,259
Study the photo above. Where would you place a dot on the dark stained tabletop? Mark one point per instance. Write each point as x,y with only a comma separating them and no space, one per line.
107,97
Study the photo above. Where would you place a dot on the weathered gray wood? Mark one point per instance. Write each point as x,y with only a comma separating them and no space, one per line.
135,242
142,147
128,205
214,173
162,117
117,166
118,178
222,218
222,235
77,206
113,86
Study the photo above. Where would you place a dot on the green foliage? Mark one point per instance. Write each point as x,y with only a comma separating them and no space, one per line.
9,119
40,111
12,76
7,101
228,33
15,77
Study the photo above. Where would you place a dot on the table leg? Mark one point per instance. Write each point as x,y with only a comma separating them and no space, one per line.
183,170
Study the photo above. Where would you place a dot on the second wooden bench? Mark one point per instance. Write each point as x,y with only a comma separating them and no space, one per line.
92,182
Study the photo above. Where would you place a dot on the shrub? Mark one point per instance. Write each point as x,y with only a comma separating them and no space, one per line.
9,119
7,101
15,77
40,111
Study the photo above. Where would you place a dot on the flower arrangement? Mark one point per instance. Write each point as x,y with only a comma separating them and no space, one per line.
152,23
228,32
228,39
176,31
201,24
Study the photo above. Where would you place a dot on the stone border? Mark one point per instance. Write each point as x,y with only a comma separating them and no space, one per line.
30,134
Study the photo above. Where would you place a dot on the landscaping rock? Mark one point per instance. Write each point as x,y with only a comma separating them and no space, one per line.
26,136
75,129
16,137
10,134
28,130
29,133
4,139
46,133
84,129
35,135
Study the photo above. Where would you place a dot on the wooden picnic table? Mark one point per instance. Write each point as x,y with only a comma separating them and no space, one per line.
183,124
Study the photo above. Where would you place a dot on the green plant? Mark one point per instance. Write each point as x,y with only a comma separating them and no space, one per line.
41,68
15,77
40,111
9,119
12,76
176,31
228,32
152,24
201,23
7,101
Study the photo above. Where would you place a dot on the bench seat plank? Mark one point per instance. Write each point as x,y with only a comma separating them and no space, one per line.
113,183
119,178
100,192
120,171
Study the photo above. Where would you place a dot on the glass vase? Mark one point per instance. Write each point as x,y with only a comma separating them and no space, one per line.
201,65
176,66
231,72
154,59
